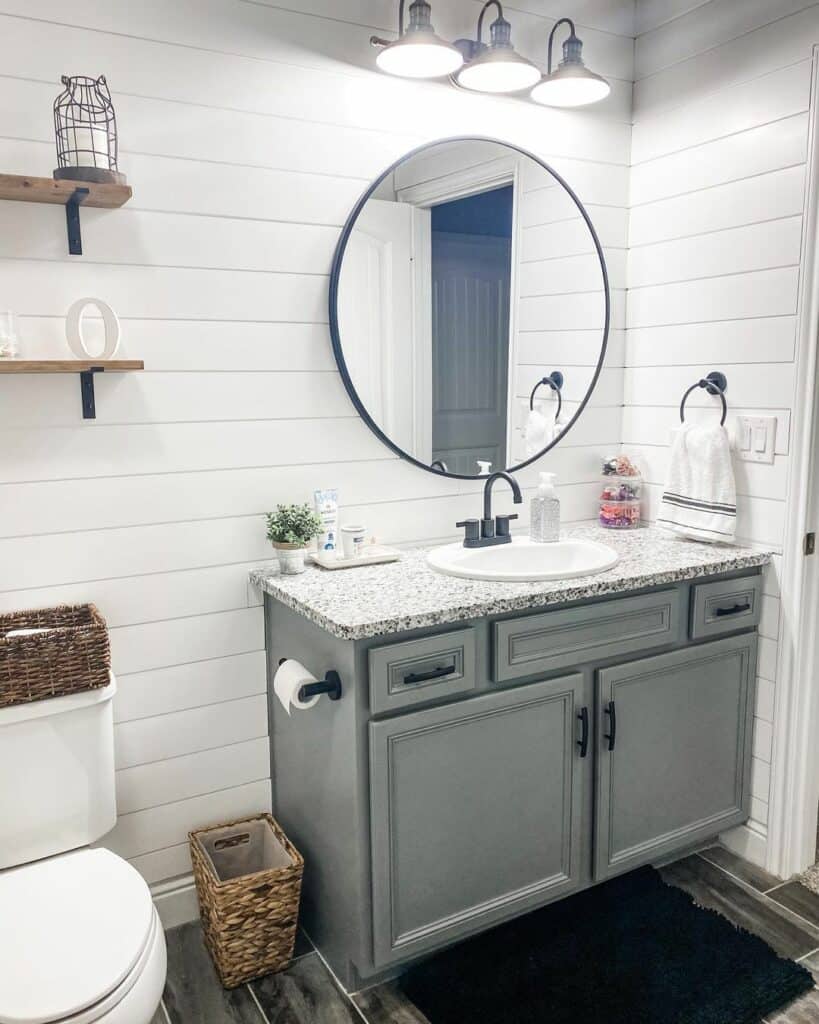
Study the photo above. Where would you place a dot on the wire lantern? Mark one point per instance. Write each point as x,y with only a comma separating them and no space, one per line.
85,126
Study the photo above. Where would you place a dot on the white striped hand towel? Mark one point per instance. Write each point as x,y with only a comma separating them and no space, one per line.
700,498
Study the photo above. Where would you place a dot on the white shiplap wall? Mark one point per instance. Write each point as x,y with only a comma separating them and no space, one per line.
720,137
247,131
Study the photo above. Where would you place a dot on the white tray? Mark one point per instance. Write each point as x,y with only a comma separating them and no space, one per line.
373,554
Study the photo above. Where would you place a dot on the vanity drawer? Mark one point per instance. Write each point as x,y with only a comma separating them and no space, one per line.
541,643
725,606
421,670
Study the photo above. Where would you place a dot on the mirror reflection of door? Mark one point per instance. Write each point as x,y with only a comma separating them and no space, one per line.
377,304
471,243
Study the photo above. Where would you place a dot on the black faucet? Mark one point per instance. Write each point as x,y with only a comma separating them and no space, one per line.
480,533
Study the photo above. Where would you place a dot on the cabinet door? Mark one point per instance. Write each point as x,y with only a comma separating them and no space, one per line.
475,813
674,751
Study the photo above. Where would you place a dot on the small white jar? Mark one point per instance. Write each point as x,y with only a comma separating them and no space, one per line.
352,540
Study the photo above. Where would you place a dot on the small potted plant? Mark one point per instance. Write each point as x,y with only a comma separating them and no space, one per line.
290,529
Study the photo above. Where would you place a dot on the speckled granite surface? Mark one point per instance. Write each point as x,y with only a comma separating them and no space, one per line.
380,599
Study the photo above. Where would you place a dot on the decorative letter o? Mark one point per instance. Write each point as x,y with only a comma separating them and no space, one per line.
73,329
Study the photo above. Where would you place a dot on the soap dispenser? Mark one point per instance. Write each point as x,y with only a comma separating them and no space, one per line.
544,518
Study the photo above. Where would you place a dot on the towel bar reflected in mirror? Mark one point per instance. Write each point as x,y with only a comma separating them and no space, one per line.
555,382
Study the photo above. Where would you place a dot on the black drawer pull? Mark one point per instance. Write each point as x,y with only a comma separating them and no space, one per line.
735,610
583,742
612,733
434,673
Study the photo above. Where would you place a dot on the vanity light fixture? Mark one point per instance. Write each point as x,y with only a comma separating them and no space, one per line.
571,84
417,52
496,68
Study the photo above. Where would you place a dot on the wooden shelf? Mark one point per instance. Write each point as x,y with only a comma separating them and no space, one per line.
22,189
69,365
86,368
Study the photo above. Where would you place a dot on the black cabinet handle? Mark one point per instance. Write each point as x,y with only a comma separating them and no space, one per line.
612,733
735,610
435,673
583,742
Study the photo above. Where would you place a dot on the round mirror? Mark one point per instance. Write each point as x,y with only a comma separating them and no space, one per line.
469,307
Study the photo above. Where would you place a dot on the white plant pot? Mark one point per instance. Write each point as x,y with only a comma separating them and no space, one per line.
291,558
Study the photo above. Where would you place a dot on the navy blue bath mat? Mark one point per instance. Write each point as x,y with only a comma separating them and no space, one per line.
630,951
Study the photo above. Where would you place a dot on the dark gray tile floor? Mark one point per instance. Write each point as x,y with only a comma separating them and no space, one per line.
785,915
741,869
386,1004
798,899
803,1011
304,994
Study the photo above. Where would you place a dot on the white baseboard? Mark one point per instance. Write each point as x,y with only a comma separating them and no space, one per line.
176,901
746,842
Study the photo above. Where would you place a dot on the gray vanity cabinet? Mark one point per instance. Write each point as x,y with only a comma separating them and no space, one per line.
448,789
476,812
673,757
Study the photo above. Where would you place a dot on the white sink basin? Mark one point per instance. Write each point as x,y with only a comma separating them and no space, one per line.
523,560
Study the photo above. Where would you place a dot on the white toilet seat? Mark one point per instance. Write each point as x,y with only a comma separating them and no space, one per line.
135,999
81,942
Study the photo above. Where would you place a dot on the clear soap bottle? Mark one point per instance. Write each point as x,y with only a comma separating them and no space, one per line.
544,519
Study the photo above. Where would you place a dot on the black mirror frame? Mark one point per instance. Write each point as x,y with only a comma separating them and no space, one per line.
335,277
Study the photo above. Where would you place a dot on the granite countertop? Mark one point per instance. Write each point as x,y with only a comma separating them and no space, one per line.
380,599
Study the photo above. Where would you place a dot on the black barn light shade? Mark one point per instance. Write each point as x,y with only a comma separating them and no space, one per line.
571,84
498,67
417,52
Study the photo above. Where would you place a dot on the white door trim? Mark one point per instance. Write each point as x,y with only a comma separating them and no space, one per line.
458,184
514,313
422,333
795,769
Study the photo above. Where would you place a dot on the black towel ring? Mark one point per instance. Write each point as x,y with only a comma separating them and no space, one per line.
555,382
715,383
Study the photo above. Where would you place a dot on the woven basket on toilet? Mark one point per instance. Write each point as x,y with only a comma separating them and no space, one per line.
248,880
52,652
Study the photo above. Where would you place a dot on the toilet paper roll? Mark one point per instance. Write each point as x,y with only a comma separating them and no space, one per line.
290,676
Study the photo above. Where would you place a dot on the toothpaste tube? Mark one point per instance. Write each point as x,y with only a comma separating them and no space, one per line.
327,507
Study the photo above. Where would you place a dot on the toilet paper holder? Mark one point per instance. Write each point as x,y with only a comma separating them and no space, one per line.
331,685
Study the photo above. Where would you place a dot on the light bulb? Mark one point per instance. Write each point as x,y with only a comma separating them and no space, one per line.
418,52
571,87
498,75
419,56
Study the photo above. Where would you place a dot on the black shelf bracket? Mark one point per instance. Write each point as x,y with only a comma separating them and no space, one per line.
72,218
89,409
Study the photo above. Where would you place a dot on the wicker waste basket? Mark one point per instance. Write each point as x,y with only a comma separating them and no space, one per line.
248,880
51,652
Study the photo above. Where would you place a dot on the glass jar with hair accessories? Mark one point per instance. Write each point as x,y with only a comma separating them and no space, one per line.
620,494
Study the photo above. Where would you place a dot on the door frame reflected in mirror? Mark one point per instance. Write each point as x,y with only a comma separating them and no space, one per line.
335,278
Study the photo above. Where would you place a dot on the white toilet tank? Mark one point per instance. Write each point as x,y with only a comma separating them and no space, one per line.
56,775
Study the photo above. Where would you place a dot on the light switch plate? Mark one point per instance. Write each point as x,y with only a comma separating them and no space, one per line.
756,438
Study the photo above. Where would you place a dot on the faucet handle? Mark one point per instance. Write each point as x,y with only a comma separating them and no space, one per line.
502,524
472,531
